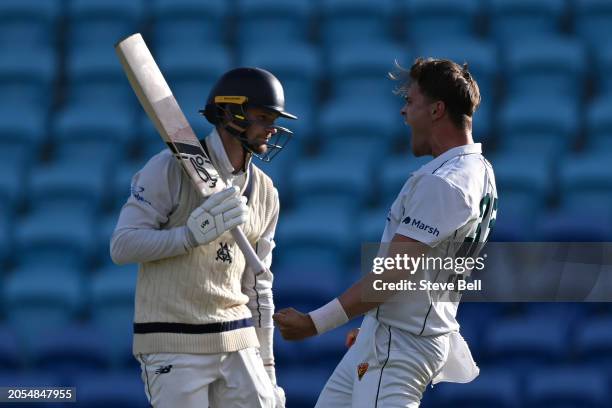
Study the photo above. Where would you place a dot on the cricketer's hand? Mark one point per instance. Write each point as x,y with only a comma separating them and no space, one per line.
294,325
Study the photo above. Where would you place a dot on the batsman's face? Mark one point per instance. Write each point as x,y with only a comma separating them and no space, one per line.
417,115
261,129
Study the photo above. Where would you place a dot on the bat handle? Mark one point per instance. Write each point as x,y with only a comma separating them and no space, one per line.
251,257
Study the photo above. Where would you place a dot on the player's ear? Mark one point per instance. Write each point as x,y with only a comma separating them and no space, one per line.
437,110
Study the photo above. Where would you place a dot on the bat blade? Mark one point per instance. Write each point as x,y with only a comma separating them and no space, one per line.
164,111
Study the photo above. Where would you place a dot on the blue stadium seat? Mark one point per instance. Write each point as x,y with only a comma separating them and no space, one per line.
68,185
11,355
29,24
121,389
361,68
112,293
602,55
569,387
327,181
548,123
599,124
302,386
93,132
593,342
585,181
324,243
593,21
588,222
12,179
492,388
23,131
94,78
394,173
191,71
524,181
35,304
372,224
546,65
189,22
298,286
510,19
27,77
63,238
273,21
70,350
481,56
524,343
344,131
348,21
105,229
444,19
101,22
281,168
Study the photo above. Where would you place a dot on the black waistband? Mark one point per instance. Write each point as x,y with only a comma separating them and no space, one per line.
186,328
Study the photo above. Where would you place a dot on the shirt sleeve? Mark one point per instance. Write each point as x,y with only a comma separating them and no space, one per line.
153,196
433,210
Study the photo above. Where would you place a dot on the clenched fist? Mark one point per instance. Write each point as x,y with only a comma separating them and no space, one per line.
294,325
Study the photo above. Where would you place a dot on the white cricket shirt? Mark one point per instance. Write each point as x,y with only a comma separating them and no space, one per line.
448,201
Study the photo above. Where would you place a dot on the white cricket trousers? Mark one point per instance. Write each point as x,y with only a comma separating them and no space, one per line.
385,368
225,380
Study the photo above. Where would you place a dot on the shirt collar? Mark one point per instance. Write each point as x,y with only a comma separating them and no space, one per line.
432,165
217,150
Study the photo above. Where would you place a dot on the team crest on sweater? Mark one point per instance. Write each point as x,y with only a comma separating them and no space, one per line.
223,253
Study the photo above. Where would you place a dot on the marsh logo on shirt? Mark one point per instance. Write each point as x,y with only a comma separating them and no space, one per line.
413,222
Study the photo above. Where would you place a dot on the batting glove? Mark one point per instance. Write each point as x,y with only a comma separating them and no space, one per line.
222,211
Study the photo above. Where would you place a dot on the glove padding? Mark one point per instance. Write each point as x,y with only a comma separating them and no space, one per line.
222,211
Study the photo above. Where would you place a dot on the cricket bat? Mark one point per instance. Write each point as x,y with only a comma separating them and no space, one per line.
162,108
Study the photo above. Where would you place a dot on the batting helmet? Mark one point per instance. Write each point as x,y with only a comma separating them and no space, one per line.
240,88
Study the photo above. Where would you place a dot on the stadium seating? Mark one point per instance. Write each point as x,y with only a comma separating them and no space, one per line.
512,19
584,181
11,356
36,304
30,24
546,65
69,351
549,124
441,19
59,237
592,342
523,343
188,22
599,124
493,388
344,22
27,77
22,131
269,21
101,23
592,19
559,388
